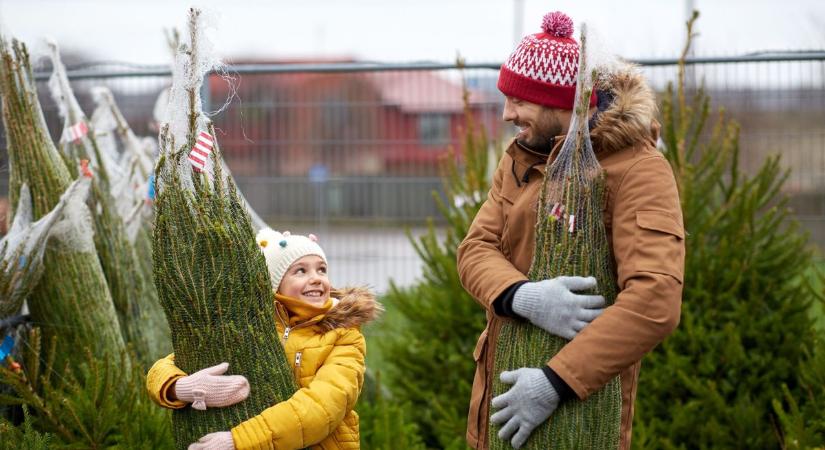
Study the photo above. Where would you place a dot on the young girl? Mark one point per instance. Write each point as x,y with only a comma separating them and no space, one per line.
322,340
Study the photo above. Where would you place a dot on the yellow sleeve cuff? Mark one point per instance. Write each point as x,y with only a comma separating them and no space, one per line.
160,379
277,427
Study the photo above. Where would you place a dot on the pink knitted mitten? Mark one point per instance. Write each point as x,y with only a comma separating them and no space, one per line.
211,388
221,440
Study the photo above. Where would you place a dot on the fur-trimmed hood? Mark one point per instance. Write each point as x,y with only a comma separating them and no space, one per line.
626,113
356,306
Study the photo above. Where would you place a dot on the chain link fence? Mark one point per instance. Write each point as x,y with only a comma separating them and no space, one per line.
351,151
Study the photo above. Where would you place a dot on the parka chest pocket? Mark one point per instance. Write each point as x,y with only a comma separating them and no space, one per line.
659,246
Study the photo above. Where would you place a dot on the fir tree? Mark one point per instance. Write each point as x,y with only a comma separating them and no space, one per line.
102,403
133,295
431,347
209,271
72,298
24,437
745,336
384,423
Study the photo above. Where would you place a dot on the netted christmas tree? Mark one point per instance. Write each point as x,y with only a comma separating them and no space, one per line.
570,241
430,343
135,163
72,299
743,367
134,297
135,191
21,250
212,278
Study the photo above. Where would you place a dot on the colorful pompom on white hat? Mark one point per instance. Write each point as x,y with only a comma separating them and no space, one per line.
282,249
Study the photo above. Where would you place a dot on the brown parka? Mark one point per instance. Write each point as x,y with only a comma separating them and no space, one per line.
643,219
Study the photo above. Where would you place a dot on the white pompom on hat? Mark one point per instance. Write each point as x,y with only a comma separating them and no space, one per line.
282,249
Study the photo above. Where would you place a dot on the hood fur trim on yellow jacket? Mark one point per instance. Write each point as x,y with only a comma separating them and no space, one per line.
356,306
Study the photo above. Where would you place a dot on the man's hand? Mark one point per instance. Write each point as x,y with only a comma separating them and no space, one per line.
211,388
552,306
525,406
221,440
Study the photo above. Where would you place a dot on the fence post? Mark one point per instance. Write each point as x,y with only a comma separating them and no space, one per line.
206,97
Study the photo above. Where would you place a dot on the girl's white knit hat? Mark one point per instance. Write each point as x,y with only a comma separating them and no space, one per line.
283,249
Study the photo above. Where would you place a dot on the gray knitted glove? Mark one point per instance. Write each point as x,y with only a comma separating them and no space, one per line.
525,406
222,440
552,306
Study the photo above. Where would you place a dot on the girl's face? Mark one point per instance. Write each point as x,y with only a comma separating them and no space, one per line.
306,279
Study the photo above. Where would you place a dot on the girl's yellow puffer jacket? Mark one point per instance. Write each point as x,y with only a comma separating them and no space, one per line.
327,353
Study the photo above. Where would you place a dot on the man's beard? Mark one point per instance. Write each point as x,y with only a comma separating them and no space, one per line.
544,134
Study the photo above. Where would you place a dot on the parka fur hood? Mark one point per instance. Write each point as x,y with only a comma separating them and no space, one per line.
627,111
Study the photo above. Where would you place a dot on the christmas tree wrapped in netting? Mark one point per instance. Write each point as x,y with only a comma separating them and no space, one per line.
21,250
136,157
212,278
133,191
115,137
134,297
72,299
570,240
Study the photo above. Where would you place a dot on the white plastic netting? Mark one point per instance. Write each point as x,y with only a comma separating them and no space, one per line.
75,139
75,232
135,160
22,248
193,62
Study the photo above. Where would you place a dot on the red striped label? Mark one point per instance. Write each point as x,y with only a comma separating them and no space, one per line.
76,131
199,155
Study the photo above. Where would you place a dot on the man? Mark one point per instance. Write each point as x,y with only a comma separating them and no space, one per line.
642,217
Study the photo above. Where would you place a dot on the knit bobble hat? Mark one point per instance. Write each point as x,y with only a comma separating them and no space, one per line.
282,249
543,67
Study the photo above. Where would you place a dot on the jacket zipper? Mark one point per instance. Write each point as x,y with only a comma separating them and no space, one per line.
287,330
297,366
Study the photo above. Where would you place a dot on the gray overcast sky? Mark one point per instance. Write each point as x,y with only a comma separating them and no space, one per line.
408,30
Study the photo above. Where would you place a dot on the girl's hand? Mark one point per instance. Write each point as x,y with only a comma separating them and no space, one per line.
211,388
221,440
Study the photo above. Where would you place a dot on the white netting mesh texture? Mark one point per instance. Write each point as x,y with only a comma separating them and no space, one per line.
22,248
75,230
192,63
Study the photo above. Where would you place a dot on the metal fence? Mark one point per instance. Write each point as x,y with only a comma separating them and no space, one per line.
351,151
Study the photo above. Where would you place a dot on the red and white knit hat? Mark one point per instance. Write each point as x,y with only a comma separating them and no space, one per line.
544,66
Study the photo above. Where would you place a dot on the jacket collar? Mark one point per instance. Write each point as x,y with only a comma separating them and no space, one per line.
627,120
525,159
349,307
528,157
299,311
630,117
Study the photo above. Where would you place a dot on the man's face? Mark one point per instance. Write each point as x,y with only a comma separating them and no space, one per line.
537,125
